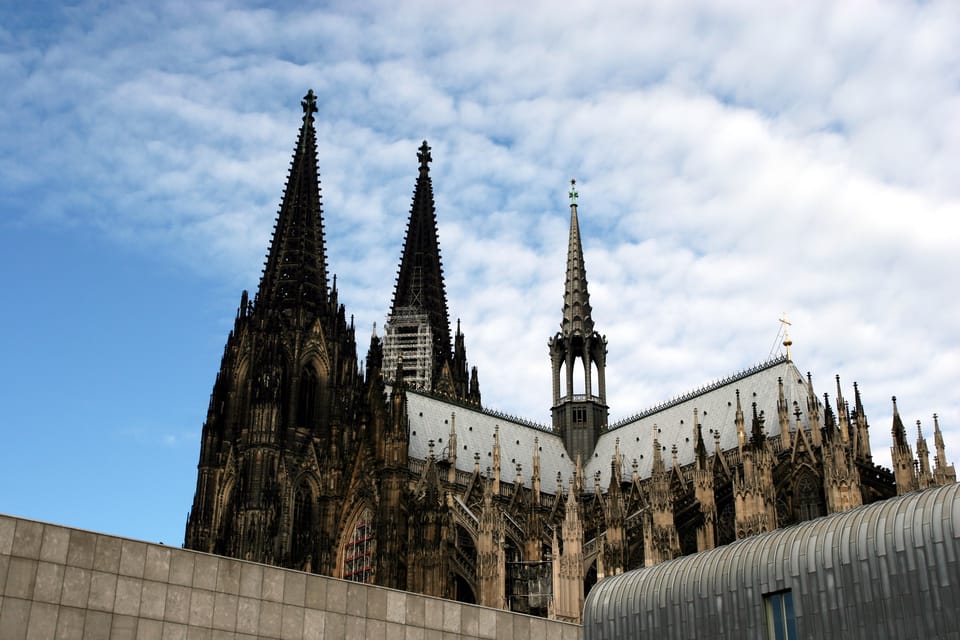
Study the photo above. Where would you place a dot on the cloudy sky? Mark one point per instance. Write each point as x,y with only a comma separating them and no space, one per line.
734,161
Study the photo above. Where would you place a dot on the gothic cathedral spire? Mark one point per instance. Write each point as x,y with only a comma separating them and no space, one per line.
295,272
418,328
281,433
577,314
578,416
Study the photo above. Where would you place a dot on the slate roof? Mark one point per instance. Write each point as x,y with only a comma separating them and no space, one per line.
430,420
716,403
717,406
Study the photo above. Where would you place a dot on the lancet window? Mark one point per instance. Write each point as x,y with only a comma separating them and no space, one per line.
303,524
358,552
809,498
309,390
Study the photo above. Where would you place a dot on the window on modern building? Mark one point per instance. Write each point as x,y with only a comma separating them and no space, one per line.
781,624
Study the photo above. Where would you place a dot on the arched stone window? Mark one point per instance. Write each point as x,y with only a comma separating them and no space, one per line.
359,549
238,407
308,397
224,518
726,527
301,534
808,498
463,590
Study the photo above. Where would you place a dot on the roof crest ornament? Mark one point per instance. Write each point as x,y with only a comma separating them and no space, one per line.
697,392
782,332
787,342
573,192
485,411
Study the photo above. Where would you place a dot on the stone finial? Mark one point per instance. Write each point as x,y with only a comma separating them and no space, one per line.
424,155
309,104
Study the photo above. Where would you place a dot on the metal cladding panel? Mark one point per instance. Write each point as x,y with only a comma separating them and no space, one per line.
889,569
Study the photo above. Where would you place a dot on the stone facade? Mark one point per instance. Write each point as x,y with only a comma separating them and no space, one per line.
396,475
69,584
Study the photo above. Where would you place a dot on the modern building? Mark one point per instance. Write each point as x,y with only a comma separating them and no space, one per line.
395,474
885,570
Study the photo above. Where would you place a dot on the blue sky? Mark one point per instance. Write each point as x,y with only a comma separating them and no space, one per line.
734,161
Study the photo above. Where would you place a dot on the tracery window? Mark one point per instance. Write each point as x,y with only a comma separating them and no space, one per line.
809,498
302,533
309,386
358,552
726,529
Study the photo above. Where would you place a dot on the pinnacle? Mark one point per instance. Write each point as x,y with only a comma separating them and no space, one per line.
899,432
577,314
420,287
425,158
309,104
295,273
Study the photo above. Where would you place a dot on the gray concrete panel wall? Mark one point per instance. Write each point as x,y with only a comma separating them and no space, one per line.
71,584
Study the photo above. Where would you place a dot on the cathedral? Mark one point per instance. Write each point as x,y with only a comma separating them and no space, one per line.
394,472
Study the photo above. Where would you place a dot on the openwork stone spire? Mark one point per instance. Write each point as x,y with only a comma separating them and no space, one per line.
291,417
577,314
420,278
419,323
578,415
295,272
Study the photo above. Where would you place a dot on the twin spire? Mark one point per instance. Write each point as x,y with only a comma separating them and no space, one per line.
295,279
418,328
295,273
420,287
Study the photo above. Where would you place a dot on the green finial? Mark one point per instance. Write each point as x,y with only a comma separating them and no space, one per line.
573,192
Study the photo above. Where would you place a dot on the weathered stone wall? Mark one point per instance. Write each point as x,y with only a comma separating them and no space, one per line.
66,583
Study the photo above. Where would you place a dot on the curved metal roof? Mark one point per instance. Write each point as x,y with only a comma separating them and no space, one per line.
889,569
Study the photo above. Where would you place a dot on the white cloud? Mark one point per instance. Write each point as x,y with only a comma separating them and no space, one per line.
733,162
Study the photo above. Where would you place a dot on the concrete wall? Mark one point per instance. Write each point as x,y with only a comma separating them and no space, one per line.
66,583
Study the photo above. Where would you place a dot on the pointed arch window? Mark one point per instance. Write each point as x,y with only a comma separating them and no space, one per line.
303,526
238,406
726,528
358,552
308,405
579,378
224,518
809,498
